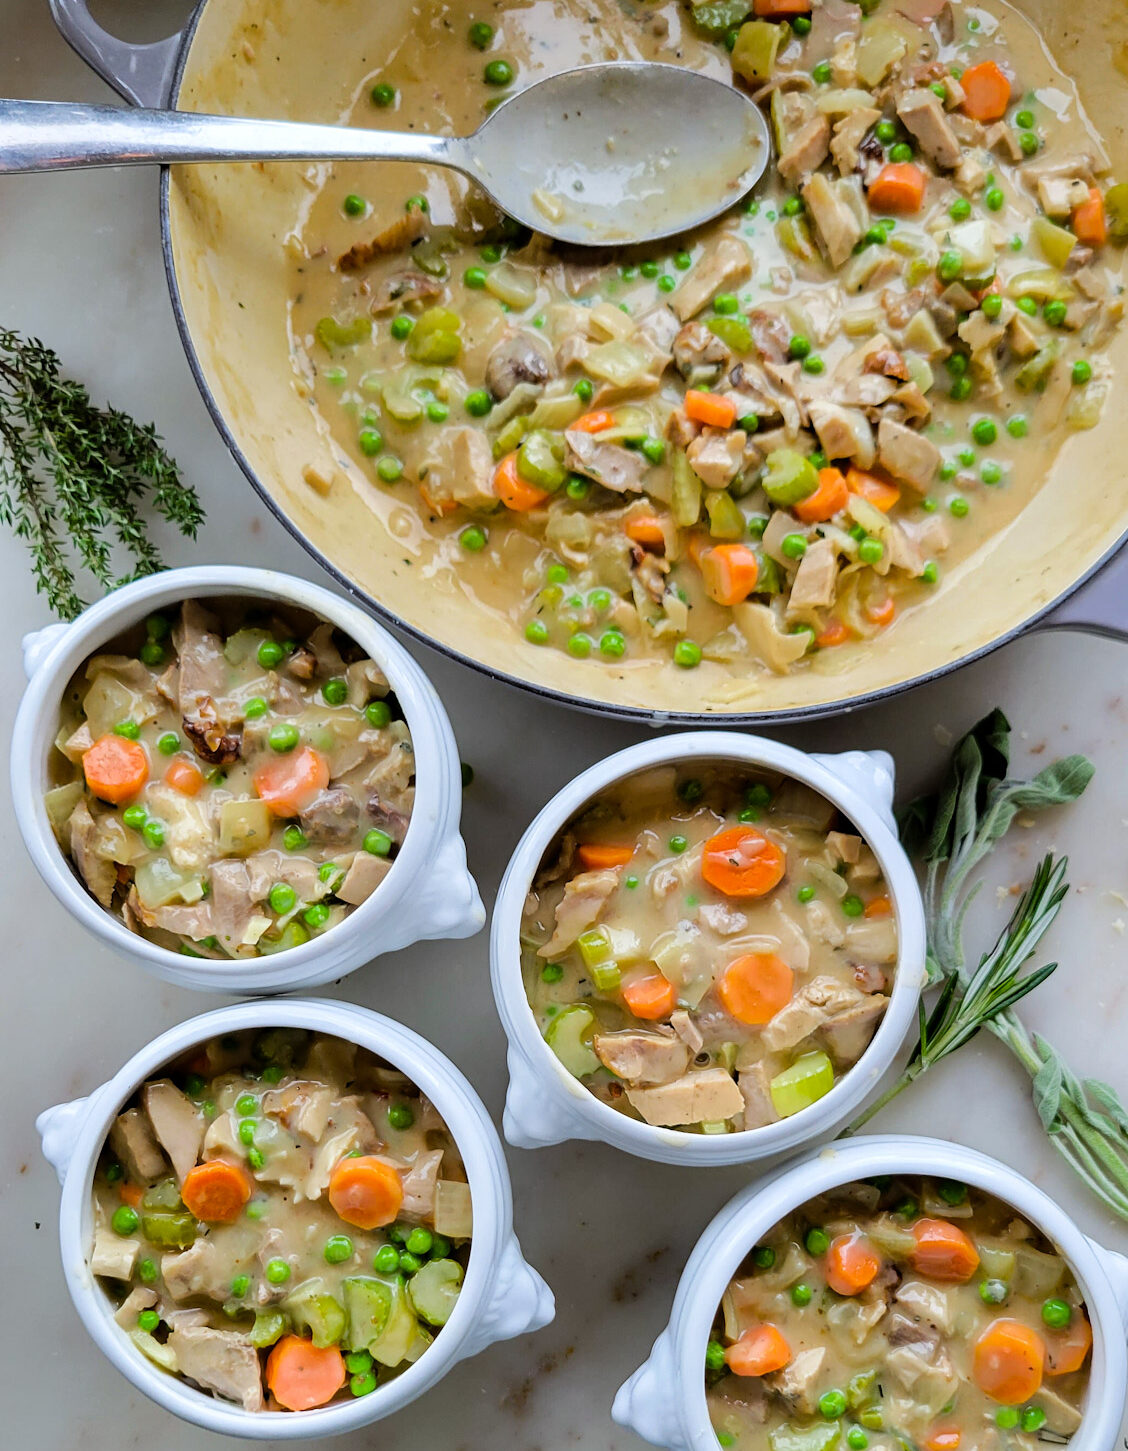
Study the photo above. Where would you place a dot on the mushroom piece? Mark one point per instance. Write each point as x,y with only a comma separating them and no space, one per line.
518,358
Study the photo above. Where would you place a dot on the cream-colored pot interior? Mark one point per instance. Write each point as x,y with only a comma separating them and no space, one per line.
228,230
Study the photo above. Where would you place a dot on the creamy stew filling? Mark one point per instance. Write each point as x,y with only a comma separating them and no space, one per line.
769,438
231,780
897,1314
283,1220
709,948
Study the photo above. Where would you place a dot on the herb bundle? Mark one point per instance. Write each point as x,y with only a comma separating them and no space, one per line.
952,832
73,478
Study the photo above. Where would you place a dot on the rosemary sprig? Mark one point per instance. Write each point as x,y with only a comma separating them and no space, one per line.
73,477
954,831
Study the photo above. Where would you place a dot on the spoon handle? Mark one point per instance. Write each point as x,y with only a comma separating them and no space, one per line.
59,136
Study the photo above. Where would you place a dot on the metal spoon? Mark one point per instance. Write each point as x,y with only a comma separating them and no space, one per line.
624,152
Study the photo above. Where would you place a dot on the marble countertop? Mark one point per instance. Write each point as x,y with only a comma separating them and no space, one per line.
82,269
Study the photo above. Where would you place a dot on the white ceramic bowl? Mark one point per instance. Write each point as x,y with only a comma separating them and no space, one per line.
545,1104
664,1401
501,1297
427,894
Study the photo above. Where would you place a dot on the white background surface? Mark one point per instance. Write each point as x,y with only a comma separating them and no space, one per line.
80,266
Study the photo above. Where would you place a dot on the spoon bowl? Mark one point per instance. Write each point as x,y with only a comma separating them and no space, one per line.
595,156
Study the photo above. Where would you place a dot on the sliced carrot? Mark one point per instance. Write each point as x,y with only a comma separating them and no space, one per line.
881,494
115,768
646,529
366,1191
216,1191
289,783
1067,1350
130,1194
1090,223
184,777
1007,1362
299,1376
898,187
709,408
759,1351
987,92
730,572
943,1438
834,632
829,498
742,862
755,987
594,422
881,612
943,1251
879,907
775,9
852,1263
651,998
512,489
597,854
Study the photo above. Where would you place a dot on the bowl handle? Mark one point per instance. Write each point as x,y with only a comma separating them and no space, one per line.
449,905
534,1118
38,644
1115,1266
521,1302
871,774
647,1403
141,73
58,1131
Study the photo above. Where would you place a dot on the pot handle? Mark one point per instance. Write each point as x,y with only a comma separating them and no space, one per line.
521,1302
1100,605
1115,1266
140,73
533,1117
38,644
647,1403
449,905
871,774
58,1130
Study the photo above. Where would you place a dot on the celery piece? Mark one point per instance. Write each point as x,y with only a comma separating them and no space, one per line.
434,338
392,1345
569,1036
540,459
756,48
716,16
823,1437
794,236
1035,372
879,50
788,477
333,334
400,401
996,1264
1056,243
1036,1273
685,499
269,1326
319,1313
606,977
511,285
164,1194
433,1290
734,332
862,1388
1116,207
292,935
770,580
174,1231
368,1303
975,242
511,435
152,1349
595,947
725,519
804,1083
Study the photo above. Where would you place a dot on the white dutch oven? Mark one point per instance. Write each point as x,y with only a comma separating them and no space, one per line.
545,1104
664,1401
501,1297
427,894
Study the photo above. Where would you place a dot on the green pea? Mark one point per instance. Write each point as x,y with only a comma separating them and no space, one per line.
726,303
437,412
1082,372
950,266
255,707
357,1362
930,573
856,1439
410,1264
992,306
1028,306
168,744
961,389
151,653
801,25
1018,427
363,1383
821,73
814,364
270,654
417,203
1033,1419
135,817
282,898
799,346
1025,119
960,209
498,73
475,277
852,906
316,915
154,833
246,1130
338,1249
389,469
958,507
984,431
148,1320
378,714
1029,143
377,842
401,325
536,632
612,643
1006,1418
805,894
552,972
901,152
653,449
277,1272
354,206
128,729
283,737
991,472
125,1220
401,1116
478,403
885,131
1056,1313
240,1285
579,645
817,1241
370,441
714,1356
382,94
678,844
294,838
335,692
952,1191
995,199
386,1260
473,538
794,546
481,35
1055,313
628,273
420,1240
801,1295
273,1072
148,1271
832,1404
870,551
687,654
666,283
584,390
